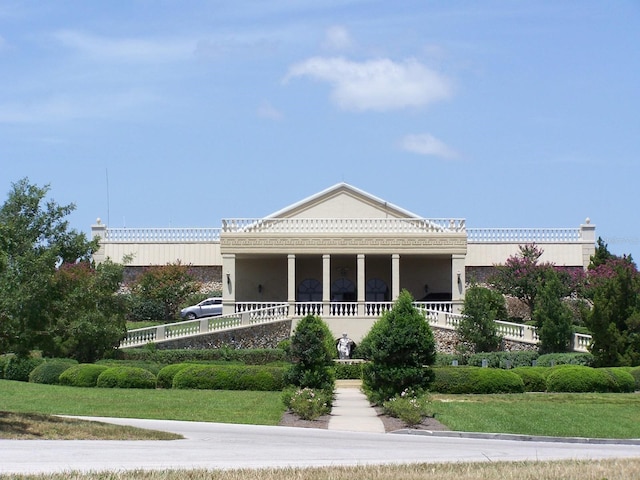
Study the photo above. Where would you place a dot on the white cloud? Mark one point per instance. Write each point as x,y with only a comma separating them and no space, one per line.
266,110
376,84
427,144
127,49
337,38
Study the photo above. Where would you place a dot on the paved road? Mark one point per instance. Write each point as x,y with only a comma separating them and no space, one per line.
226,446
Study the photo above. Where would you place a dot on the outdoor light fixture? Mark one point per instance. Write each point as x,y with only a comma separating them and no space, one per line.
229,279
459,277
259,288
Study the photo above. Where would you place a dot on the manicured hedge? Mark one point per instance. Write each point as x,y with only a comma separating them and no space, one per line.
246,356
585,359
153,367
126,377
635,373
446,359
49,371
165,376
348,371
578,378
534,378
19,368
475,380
83,375
232,377
622,380
503,359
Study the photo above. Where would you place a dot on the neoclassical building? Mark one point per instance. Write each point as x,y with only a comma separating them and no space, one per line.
343,254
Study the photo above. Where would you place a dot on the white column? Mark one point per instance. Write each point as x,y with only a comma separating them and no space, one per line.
291,280
228,283
326,279
588,239
361,285
457,281
395,276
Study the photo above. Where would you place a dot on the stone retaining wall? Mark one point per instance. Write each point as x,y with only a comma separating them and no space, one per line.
255,336
447,341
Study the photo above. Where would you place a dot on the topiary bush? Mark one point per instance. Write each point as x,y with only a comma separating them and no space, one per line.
399,345
126,377
551,359
18,368
621,380
82,375
578,378
635,373
475,380
253,356
231,377
534,378
165,376
153,367
312,351
49,371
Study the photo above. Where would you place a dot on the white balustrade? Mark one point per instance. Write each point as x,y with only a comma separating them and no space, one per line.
143,235
343,225
343,309
438,314
524,235
377,309
303,309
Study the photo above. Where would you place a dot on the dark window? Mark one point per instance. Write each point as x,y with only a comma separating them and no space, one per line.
377,291
343,290
310,290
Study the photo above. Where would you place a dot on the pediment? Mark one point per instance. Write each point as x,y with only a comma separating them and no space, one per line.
342,201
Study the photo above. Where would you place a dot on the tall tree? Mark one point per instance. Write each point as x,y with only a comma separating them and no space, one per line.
553,318
35,239
169,284
477,330
614,320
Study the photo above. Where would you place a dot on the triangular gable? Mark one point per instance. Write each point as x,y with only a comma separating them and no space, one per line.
342,201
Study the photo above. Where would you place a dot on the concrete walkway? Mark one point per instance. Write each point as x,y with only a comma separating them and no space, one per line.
351,411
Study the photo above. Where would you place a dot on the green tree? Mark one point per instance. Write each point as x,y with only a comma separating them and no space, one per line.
477,330
87,318
614,321
169,285
34,239
312,351
553,318
400,345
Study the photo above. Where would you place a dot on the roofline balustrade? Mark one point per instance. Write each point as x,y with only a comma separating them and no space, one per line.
524,235
343,225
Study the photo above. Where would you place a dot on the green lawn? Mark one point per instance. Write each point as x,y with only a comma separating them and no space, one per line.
257,408
591,415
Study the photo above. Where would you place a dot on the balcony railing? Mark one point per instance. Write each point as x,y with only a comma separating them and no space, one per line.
343,225
172,235
524,235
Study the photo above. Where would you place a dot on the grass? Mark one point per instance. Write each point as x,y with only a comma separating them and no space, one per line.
591,415
617,469
35,426
256,408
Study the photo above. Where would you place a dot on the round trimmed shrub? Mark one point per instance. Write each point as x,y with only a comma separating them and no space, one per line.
534,378
635,373
165,376
476,380
83,375
126,377
19,368
232,377
621,380
578,378
49,371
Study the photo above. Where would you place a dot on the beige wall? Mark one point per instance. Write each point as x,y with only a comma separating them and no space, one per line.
489,254
145,254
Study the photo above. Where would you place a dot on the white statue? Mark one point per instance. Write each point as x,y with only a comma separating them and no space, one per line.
345,344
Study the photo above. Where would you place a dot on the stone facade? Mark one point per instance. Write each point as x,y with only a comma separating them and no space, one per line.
255,336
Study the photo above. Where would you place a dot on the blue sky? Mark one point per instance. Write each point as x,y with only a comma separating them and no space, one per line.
181,113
